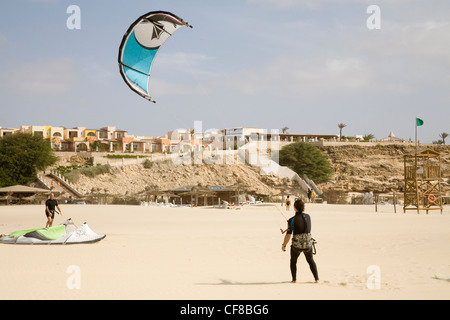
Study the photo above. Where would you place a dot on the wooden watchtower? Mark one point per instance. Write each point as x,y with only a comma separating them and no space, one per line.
423,178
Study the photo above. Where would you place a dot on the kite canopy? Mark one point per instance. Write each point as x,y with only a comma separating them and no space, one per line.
140,44
65,233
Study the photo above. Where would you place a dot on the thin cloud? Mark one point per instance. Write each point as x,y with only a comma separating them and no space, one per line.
179,62
39,78
45,1
4,41
287,76
286,4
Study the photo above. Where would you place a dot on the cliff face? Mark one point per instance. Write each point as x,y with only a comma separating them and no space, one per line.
164,175
377,169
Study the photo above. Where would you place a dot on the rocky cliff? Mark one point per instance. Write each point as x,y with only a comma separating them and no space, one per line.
356,169
165,175
377,169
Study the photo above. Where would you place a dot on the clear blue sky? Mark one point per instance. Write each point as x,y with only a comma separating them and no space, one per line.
307,65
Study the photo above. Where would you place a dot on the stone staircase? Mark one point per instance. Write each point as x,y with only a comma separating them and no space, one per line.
55,182
268,166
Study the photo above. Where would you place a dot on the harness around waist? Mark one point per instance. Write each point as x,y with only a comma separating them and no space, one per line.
302,241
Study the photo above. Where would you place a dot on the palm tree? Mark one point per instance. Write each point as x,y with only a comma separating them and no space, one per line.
443,135
341,126
191,134
369,137
284,129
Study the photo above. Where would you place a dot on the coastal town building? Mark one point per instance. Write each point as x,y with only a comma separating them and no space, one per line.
392,138
242,135
185,140
112,139
6,131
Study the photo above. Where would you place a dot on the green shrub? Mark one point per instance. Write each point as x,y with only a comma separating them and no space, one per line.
89,171
306,159
22,155
147,164
73,176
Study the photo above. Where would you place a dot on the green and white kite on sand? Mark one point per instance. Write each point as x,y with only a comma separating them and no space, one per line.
65,233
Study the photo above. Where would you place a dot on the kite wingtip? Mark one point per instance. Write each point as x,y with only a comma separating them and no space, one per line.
150,99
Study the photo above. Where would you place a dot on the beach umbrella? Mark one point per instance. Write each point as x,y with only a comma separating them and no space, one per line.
18,192
23,189
149,192
29,198
199,192
170,195
8,198
237,188
101,197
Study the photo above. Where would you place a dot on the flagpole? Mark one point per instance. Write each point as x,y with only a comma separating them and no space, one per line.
415,173
419,122
416,135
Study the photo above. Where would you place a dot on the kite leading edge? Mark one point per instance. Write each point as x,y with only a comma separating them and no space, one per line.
140,44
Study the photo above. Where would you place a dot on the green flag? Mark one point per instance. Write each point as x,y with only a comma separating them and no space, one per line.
419,122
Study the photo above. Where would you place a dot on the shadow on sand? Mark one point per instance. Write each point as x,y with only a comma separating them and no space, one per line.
224,282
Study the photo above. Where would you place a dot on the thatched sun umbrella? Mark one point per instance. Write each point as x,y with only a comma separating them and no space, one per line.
238,188
18,192
284,191
8,198
151,192
19,189
197,192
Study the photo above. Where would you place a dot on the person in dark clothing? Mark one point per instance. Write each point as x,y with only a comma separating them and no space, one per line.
288,203
50,208
300,224
309,194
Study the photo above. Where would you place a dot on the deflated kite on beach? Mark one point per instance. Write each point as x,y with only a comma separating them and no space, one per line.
65,233
140,44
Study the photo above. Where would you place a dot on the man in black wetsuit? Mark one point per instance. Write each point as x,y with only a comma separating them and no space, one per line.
50,206
301,224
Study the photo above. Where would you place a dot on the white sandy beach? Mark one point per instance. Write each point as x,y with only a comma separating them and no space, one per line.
209,254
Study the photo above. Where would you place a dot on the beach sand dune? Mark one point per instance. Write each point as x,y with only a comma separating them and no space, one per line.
207,253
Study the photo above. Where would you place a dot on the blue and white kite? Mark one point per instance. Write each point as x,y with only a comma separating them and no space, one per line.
140,44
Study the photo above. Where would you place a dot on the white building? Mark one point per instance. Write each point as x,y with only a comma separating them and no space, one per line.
241,135
392,138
